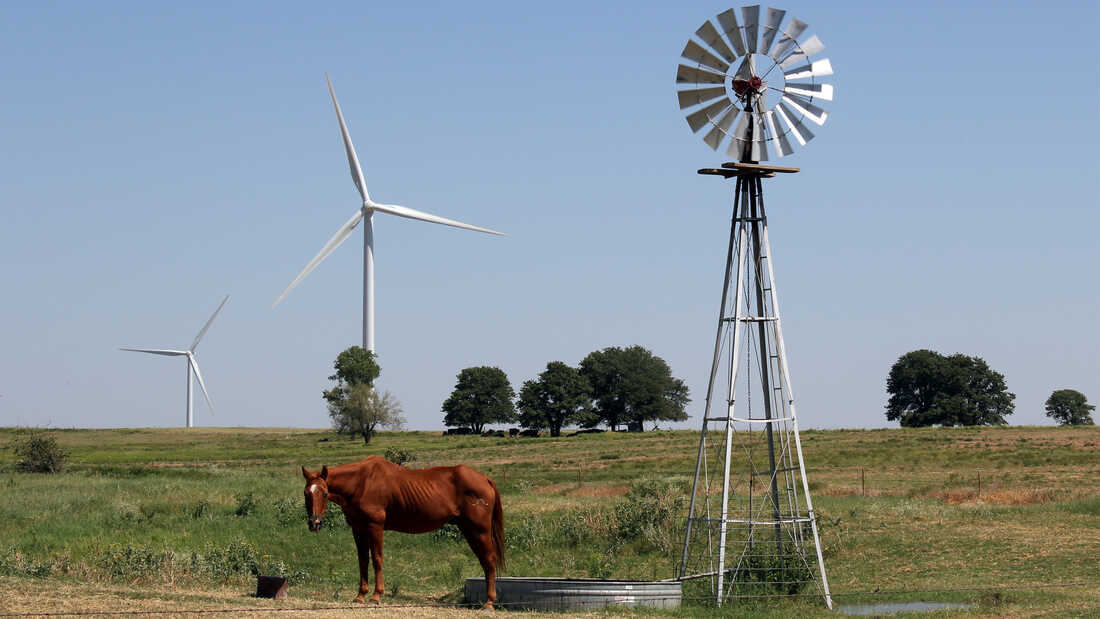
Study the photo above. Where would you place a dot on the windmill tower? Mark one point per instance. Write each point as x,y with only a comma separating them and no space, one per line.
751,529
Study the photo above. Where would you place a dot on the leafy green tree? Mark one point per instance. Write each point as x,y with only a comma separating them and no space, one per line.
927,388
1069,407
482,395
631,386
560,397
360,409
354,366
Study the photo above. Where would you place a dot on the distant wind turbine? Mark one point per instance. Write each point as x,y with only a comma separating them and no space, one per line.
192,363
366,214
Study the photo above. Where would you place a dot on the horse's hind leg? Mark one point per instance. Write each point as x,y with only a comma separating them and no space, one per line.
374,537
481,542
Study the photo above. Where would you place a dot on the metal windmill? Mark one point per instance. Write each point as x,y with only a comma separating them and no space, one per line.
751,527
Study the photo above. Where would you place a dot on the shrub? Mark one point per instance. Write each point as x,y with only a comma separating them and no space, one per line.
246,504
399,456
201,510
40,454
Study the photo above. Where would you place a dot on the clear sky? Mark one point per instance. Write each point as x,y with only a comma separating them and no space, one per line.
156,156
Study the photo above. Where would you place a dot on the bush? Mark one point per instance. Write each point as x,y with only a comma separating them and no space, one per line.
399,456
246,504
40,454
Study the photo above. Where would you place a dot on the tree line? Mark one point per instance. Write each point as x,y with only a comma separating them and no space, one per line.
616,387
927,388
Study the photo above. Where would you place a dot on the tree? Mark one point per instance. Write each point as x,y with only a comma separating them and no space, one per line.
354,366
1069,407
560,397
482,395
360,409
927,388
632,385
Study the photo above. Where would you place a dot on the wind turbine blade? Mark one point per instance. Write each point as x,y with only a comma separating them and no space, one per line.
810,47
403,211
809,110
789,38
721,128
820,91
332,244
198,375
353,159
157,351
202,331
779,139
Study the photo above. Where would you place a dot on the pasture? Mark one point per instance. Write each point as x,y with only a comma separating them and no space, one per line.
173,519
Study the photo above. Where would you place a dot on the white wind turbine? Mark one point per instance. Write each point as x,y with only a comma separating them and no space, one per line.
365,213
192,363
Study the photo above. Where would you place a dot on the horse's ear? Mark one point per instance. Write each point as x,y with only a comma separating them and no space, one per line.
306,474
324,472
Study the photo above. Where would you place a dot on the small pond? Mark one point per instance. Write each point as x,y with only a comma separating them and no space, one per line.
889,608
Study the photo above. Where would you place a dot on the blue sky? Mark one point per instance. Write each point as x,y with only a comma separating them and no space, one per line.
156,157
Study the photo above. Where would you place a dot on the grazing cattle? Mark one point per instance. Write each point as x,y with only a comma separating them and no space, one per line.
376,495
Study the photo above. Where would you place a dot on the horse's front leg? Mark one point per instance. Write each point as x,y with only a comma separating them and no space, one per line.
362,547
374,537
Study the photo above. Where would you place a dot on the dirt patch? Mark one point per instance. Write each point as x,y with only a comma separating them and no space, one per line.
1031,496
600,490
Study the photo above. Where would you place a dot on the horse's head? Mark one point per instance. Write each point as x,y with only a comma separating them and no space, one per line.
316,497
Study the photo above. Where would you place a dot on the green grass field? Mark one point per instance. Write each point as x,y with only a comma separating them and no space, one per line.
173,519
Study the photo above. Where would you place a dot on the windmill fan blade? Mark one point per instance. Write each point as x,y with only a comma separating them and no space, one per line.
721,128
778,138
689,98
740,137
759,138
797,128
403,211
709,35
198,375
746,69
694,51
809,110
332,244
821,91
202,331
353,159
818,68
790,36
771,27
157,351
751,16
811,47
692,75
705,116
728,21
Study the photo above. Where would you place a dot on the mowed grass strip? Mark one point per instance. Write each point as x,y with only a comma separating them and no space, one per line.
156,513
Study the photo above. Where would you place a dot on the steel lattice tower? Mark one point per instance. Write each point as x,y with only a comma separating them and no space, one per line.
751,527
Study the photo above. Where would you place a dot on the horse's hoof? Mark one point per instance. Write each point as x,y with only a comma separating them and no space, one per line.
358,600
376,601
488,606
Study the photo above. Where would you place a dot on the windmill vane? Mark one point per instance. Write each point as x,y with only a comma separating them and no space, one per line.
752,84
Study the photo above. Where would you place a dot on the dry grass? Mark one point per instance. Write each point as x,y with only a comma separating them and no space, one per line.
1026,496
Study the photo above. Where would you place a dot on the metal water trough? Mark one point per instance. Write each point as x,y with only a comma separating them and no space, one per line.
576,593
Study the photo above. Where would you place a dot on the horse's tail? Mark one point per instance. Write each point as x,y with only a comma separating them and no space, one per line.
498,525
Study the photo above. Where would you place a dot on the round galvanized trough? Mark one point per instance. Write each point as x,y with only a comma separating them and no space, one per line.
576,593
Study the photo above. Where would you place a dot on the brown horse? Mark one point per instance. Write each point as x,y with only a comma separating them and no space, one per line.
376,494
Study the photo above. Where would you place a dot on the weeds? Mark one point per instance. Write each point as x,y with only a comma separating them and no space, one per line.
39,454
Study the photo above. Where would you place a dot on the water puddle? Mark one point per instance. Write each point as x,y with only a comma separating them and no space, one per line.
898,607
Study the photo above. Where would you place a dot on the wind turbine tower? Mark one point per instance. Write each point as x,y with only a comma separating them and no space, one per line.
192,363
365,214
